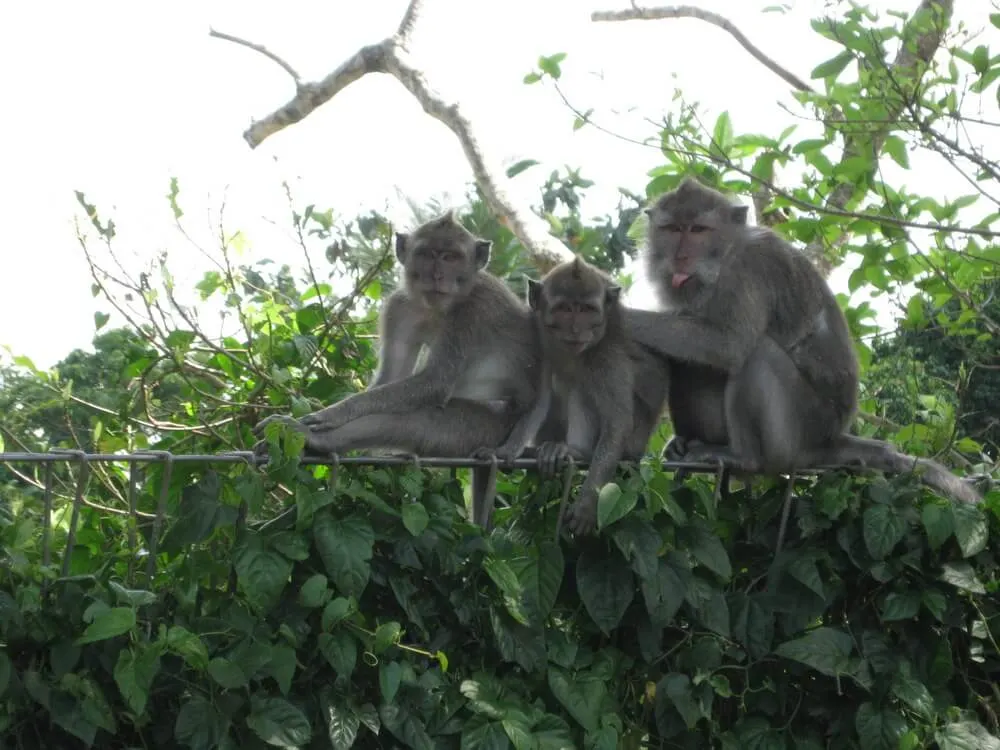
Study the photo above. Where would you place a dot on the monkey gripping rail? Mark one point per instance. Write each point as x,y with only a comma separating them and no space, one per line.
483,485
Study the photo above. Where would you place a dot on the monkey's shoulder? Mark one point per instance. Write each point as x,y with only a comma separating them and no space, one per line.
489,298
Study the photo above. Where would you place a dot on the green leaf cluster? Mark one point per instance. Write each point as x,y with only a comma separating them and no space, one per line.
353,620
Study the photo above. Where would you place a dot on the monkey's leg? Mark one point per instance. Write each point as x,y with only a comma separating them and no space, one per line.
454,430
775,419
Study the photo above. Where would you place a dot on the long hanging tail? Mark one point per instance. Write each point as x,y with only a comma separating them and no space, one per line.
876,454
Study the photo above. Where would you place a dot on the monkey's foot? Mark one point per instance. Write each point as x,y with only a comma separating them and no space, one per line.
704,453
581,516
503,454
322,442
293,423
261,449
676,448
552,457
325,420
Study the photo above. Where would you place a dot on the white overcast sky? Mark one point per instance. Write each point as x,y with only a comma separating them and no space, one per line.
113,97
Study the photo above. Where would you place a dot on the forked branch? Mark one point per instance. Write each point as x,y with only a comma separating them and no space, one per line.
391,56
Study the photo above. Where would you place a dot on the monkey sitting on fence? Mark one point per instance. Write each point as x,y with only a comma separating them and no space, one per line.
600,396
764,375
481,369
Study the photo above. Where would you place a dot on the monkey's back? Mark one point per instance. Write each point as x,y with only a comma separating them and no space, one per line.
804,317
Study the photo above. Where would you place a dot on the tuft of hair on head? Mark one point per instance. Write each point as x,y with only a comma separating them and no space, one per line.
689,184
577,268
448,217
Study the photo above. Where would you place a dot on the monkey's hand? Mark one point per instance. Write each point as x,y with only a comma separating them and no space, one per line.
505,454
706,453
552,456
581,516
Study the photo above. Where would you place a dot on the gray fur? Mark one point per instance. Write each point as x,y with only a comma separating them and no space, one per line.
764,372
601,396
483,360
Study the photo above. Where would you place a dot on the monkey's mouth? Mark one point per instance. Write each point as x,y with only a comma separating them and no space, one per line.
679,279
575,345
435,296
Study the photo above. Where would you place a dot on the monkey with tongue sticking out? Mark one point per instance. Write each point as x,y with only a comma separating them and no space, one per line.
764,375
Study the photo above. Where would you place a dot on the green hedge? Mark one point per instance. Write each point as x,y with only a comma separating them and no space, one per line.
367,612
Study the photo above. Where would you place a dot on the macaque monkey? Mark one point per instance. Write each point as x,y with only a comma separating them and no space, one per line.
764,375
482,366
600,397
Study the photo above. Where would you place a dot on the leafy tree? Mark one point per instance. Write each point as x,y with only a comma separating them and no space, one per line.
942,369
310,605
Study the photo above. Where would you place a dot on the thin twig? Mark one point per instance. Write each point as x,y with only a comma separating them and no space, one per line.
686,11
257,48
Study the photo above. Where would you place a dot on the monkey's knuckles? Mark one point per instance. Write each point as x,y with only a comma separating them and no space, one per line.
486,454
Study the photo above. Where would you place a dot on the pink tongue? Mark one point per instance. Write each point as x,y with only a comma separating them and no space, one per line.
678,279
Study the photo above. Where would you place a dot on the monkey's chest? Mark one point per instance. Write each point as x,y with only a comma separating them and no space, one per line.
579,414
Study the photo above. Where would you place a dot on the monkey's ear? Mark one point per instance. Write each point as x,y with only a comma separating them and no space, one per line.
648,212
534,294
483,253
612,294
401,240
738,214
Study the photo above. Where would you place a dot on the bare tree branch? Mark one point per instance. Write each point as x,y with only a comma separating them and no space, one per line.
391,56
686,11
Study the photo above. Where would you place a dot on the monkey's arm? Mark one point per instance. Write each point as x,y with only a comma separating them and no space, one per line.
615,419
429,387
399,342
699,340
527,426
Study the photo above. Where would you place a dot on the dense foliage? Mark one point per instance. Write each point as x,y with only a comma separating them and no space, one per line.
304,606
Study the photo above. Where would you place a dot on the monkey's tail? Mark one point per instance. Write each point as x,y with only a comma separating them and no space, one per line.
877,454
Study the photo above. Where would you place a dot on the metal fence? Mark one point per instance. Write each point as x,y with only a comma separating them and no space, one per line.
483,485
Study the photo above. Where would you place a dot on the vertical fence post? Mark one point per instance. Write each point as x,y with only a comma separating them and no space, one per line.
133,518
74,519
161,507
568,474
241,517
50,469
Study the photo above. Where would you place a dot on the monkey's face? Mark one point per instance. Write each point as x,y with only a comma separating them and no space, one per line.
440,263
688,242
574,324
572,304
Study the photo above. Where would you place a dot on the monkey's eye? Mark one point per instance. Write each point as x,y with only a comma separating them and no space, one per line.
449,257
671,227
699,228
588,308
